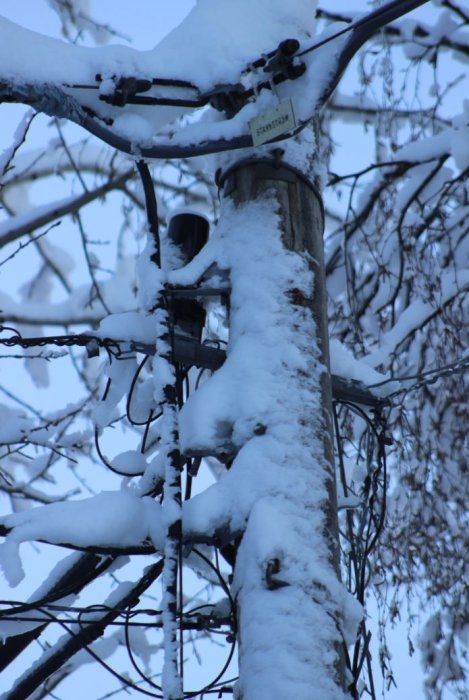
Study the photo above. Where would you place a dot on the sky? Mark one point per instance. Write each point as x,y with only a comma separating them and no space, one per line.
35,15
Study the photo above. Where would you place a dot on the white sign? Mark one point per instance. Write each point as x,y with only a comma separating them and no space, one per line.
273,123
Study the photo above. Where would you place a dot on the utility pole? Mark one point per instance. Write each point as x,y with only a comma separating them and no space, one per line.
301,209
298,203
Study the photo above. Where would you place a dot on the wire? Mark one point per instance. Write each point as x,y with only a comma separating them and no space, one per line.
361,30
135,664
433,376
130,394
377,19
81,640
364,523
151,209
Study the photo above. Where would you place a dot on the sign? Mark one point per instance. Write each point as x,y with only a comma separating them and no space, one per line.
272,123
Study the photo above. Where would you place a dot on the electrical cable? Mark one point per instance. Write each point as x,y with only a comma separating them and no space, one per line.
135,665
130,394
151,209
363,528
78,641
52,100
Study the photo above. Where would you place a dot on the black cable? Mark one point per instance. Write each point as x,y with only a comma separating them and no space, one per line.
222,581
130,394
52,100
211,686
349,515
135,664
107,463
17,606
377,19
382,457
151,209
86,569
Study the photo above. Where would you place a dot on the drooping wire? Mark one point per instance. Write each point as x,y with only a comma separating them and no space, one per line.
232,636
59,654
130,394
152,211
134,663
364,522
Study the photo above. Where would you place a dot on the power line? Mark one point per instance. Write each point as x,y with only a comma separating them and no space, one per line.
52,99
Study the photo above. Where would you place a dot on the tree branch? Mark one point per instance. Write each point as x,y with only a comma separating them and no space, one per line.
9,231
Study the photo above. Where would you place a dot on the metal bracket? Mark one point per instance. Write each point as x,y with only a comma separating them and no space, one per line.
272,581
282,61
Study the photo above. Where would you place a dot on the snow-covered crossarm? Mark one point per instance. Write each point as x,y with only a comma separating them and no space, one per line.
122,522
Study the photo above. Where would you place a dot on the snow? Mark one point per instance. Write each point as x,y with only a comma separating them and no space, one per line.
130,461
120,372
110,519
130,325
250,362
135,127
344,364
14,425
445,26
452,141
240,31
45,212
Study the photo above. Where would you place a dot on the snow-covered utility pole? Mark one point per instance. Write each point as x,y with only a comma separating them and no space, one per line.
291,605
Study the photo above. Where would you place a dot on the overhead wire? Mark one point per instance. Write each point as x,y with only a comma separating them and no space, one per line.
132,87
68,106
